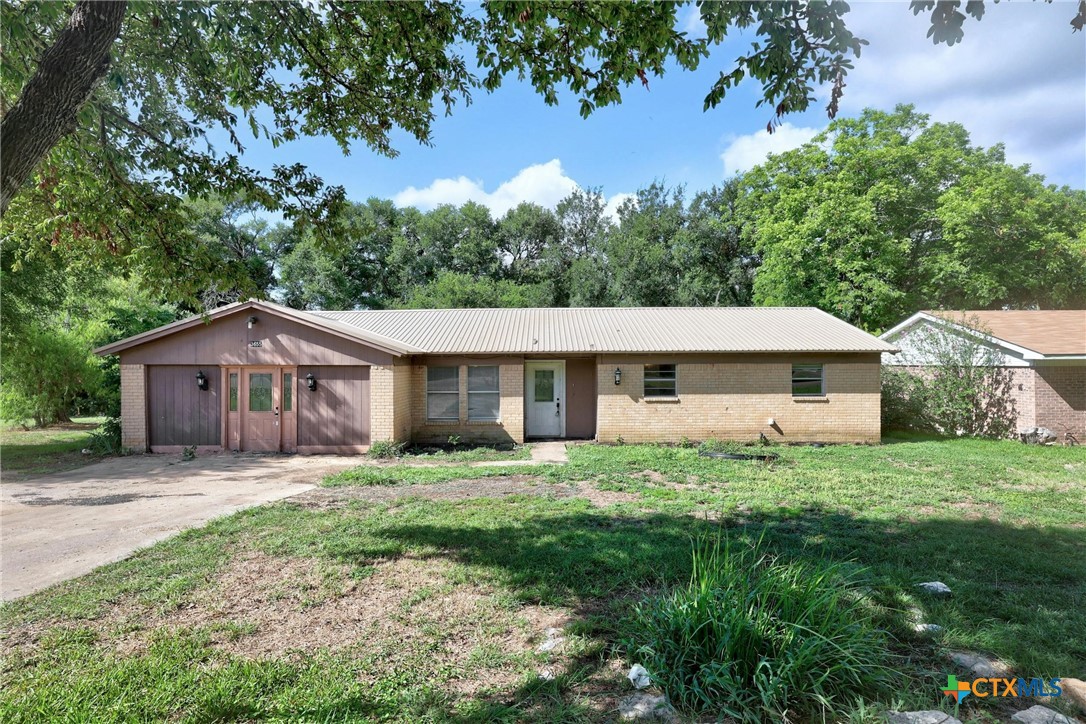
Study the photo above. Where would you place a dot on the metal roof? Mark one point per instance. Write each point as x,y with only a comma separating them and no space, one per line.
615,329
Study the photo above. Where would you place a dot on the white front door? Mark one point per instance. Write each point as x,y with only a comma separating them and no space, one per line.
544,393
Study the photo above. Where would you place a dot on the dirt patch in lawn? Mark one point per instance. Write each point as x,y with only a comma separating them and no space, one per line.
405,614
493,487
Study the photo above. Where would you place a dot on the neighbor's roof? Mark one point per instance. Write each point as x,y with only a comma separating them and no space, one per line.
616,329
1049,332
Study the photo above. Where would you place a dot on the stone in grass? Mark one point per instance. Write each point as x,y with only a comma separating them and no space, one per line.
1075,689
920,717
1040,715
553,640
979,665
646,707
928,629
935,588
639,677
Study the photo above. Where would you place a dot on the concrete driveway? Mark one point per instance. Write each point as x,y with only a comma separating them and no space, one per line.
60,526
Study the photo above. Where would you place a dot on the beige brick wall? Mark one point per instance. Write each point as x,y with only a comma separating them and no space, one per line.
133,407
733,398
401,421
390,403
510,426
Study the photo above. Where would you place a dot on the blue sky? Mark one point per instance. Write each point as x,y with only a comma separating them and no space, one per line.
1018,77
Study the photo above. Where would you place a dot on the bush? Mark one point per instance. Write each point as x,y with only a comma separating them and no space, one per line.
757,638
385,449
905,403
106,440
961,386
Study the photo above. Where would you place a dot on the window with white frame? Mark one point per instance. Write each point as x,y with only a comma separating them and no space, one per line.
443,393
808,381
660,381
484,396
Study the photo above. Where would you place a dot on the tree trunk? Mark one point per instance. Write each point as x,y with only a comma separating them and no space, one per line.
49,105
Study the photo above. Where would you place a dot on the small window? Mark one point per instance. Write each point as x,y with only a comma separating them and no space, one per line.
660,381
484,398
807,381
544,386
288,391
233,392
260,392
442,393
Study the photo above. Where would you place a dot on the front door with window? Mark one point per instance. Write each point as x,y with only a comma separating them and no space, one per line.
544,392
261,392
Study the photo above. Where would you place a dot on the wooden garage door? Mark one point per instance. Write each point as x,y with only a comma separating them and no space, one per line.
336,415
180,412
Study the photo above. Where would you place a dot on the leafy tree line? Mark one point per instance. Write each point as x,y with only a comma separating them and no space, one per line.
879,216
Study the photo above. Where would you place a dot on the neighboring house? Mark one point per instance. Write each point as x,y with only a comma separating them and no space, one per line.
1046,351
258,376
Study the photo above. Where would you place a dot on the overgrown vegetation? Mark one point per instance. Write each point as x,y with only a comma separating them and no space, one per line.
958,385
165,635
762,638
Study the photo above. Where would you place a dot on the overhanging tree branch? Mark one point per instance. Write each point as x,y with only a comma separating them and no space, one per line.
49,105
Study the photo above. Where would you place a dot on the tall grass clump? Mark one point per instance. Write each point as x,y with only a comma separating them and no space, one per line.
758,638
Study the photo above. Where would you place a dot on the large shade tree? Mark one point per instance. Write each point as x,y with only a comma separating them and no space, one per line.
888,213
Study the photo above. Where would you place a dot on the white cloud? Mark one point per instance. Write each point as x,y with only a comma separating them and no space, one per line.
745,152
543,183
693,25
611,209
1016,77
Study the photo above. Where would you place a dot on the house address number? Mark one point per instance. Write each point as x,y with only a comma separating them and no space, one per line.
256,343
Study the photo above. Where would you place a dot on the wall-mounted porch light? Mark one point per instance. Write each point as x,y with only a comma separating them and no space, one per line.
618,376
201,380
252,321
311,382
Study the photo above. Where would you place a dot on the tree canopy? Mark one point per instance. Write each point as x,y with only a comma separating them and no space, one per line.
109,108
885,214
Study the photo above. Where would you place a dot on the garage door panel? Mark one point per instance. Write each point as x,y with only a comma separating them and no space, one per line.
337,413
179,412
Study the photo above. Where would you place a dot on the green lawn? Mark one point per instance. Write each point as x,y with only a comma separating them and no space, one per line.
43,450
388,595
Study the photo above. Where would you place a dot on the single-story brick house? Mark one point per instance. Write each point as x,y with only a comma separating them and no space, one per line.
1045,350
259,376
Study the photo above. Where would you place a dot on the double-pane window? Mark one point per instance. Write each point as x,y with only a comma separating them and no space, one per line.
443,393
660,381
484,397
808,381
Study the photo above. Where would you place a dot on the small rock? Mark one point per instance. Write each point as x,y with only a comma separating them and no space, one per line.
646,707
553,640
979,665
936,588
920,717
547,675
1040,715
639,677
1075,689
928,629
1037,436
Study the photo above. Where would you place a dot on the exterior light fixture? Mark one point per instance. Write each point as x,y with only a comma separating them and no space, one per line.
618,376
311,382
201,380
252,321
